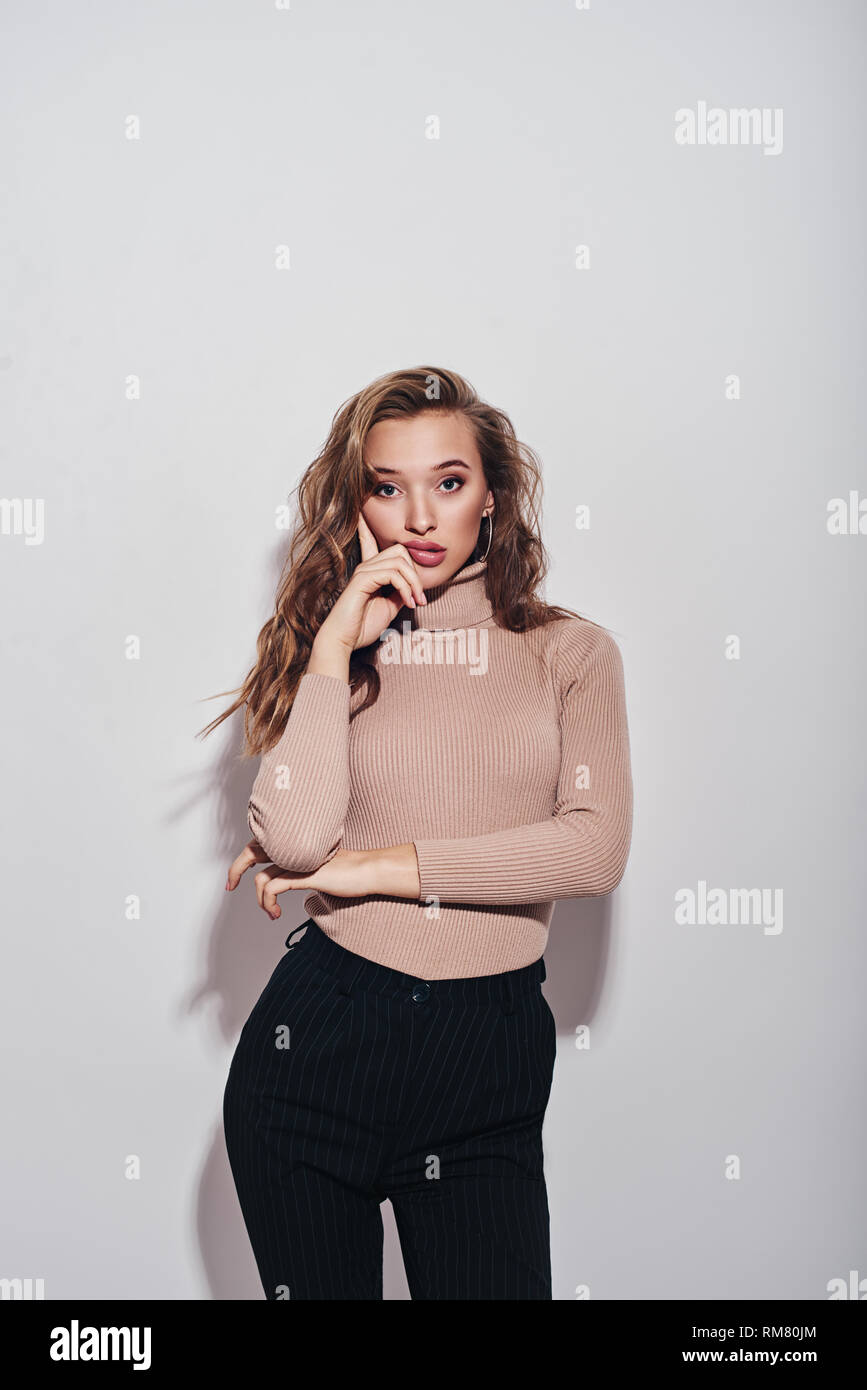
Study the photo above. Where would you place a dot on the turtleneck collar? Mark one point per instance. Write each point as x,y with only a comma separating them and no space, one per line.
461,601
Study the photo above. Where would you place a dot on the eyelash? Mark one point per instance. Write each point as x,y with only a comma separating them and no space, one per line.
452,478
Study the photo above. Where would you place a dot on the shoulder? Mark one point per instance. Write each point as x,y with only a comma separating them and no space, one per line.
577,646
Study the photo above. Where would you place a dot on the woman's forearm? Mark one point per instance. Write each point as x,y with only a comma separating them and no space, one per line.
297,805
329,658
392,871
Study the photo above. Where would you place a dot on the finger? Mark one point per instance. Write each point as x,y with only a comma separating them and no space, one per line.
369,548
370,551
269,900
392,574
404,558
252,853
267,889
401,573
262,879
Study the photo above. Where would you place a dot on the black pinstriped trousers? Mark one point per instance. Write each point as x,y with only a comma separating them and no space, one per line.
352,1083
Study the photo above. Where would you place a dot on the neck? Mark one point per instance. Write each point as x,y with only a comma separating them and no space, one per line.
461,601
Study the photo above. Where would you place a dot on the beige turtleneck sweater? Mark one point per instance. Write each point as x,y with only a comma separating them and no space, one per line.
502,756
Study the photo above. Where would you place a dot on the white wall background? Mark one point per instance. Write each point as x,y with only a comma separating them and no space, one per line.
155,258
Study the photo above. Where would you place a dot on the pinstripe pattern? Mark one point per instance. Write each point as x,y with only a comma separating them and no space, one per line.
429,1093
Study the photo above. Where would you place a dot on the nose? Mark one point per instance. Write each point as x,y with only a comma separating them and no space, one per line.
419,517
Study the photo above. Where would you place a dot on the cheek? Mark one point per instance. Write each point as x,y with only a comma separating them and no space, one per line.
465,508
372,511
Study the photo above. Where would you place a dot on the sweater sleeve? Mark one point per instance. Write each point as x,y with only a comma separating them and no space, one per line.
299,799
582,849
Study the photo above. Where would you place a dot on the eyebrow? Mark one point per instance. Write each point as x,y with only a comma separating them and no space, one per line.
435,468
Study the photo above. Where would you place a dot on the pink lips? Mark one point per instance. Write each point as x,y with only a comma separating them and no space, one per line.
426,557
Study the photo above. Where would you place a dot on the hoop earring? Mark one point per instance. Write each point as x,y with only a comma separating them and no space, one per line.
490,534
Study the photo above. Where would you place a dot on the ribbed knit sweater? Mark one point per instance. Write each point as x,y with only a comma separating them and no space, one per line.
502,756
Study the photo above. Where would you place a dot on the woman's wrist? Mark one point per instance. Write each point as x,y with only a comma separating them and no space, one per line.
392,871
328,658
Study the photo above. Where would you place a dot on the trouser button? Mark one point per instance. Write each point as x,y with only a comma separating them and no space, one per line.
421,991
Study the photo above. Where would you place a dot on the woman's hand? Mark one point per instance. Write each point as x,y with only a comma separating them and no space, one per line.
347,875
350,873
362,612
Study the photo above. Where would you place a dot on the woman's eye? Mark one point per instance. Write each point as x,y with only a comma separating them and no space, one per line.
377,492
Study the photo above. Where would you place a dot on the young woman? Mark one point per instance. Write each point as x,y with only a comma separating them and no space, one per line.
443,755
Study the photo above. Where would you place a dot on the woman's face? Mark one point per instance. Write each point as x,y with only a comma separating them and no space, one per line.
431,491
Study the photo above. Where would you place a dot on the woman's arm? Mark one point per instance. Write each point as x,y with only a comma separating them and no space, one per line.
579,851
299,799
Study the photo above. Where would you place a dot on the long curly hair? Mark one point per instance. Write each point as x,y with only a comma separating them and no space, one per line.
325,549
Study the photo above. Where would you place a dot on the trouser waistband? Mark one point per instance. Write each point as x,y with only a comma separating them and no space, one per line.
357,972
